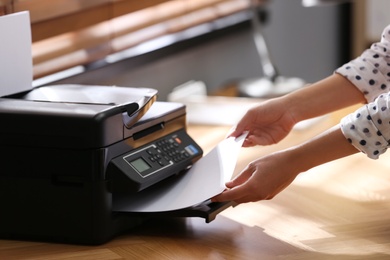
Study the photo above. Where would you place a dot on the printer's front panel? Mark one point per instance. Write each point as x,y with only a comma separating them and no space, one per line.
62,194
53,194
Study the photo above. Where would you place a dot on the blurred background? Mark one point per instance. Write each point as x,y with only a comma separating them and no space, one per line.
163,44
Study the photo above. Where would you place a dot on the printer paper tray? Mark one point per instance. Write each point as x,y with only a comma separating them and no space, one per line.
207,210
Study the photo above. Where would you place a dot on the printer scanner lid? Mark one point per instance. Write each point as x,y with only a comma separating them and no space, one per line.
78,116
134,102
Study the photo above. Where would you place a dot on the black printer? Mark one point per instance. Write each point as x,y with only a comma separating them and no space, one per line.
67,150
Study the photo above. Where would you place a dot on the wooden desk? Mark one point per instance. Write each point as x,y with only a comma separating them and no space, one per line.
340,210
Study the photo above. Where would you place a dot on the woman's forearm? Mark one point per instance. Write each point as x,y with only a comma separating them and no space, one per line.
326,147
325,96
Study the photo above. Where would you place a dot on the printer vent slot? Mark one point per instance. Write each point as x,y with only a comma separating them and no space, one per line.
148,131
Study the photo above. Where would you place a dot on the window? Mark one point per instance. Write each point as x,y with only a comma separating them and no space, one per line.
67,33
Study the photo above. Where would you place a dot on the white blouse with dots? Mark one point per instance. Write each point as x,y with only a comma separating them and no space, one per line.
368,128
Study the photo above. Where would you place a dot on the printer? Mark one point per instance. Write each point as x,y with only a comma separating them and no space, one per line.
67,151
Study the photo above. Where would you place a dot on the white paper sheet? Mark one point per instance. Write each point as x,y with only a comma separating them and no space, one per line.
204,180
16,71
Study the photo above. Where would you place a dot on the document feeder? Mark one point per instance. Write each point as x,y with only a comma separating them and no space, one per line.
68,149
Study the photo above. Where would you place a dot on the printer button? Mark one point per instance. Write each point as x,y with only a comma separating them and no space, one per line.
178,140
162,163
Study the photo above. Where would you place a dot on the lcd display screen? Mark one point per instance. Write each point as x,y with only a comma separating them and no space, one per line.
140,165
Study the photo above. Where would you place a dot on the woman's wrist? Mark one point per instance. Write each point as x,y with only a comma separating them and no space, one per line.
326,147
294,159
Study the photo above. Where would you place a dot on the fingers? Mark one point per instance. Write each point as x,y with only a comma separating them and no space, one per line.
249,141
240,179
236,189
234,194
231,132
235,132
241,126
240,194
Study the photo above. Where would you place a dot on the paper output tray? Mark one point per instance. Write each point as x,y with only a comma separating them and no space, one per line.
207,210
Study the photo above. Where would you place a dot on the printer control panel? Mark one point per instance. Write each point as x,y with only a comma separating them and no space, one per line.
161,154
154,162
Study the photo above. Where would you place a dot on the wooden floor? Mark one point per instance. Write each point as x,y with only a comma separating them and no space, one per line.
340,210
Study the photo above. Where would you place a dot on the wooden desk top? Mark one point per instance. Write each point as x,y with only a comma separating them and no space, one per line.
340,210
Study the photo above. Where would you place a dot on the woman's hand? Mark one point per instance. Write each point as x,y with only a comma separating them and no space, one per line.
265,177
262,179
267,123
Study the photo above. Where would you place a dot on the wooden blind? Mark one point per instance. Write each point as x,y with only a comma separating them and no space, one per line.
67,33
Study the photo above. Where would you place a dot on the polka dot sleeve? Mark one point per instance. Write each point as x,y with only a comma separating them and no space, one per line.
370,72
368,129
